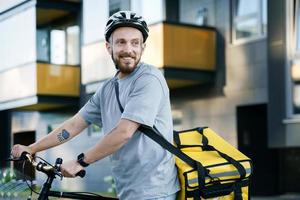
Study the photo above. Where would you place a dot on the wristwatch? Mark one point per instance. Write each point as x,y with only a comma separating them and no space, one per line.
80,158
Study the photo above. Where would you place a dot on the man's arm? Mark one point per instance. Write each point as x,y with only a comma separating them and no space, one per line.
60,135
113,141
108,145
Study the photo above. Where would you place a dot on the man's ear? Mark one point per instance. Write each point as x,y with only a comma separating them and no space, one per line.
143,47
108,47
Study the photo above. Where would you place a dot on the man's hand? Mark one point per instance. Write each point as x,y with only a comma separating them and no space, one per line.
18,149
70,168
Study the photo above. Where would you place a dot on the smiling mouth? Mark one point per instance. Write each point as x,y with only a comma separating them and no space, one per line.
127,58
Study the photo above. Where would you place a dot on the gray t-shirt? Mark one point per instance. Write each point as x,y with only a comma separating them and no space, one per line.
142,169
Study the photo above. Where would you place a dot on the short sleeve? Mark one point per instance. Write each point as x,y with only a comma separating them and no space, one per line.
144,100
91,111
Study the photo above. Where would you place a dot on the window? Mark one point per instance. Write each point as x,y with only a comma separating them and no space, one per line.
295,67
296,98
59,46
117,5
73,46
249,20
297,26
196,12
113,8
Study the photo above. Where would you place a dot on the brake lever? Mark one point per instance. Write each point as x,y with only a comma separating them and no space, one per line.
59,174
15,159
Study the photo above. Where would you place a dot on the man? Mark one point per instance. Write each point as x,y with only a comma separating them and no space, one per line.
142,169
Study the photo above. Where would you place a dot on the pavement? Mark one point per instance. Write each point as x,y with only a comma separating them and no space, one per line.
278,197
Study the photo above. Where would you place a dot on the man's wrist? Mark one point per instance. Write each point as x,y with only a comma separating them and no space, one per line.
31,149
80,160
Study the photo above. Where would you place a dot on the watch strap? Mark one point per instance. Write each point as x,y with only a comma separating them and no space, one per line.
80,160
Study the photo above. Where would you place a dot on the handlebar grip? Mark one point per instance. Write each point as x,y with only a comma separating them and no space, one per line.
81,173
24,155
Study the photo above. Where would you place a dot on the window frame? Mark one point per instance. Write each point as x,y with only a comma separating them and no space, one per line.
296,21
235,19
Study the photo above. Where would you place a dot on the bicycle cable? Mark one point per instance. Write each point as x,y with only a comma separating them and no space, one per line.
44,160
30,187
24,177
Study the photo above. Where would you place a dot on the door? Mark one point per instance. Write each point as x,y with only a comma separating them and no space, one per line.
252,141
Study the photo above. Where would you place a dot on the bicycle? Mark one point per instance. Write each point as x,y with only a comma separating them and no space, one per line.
53,172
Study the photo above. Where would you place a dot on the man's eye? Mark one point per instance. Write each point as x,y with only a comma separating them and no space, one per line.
135,43
120,42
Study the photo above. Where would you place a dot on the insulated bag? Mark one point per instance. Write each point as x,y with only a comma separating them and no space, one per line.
226,170
208,166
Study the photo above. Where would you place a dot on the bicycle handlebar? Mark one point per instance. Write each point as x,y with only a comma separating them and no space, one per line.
46,168
52,172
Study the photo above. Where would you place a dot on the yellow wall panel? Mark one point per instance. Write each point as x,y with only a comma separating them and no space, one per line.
189,47
181,46
153,53
58,80
177,83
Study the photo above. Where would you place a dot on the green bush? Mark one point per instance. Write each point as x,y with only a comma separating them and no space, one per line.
7,175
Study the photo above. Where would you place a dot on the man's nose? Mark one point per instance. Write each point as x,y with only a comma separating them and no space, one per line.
128,47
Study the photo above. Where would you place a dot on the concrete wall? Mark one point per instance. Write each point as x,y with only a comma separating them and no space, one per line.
244,83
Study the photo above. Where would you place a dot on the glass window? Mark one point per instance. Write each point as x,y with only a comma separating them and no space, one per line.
196,12
42,45
249,20
295,67
113,8
64,46
117,5
73,45
58,47
246,7
246,29
297,26
296,98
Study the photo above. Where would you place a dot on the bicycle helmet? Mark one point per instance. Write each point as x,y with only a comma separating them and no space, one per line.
126,19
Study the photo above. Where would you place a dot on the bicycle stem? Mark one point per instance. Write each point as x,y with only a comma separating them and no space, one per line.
46,188
47,185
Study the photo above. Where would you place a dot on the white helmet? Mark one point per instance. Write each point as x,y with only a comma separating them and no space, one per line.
126,19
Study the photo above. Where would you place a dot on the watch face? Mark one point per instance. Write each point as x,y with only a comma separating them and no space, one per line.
80,156
80,160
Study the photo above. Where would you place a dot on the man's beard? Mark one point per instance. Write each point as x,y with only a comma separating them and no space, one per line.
126,67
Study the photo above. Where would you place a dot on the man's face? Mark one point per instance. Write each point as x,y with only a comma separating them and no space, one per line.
126,47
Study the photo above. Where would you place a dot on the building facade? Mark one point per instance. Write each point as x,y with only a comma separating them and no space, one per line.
231,65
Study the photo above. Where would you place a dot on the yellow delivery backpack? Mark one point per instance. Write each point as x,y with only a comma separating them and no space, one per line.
208,166
225,170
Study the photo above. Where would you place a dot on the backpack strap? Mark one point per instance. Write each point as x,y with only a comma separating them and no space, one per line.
206,147
117,95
